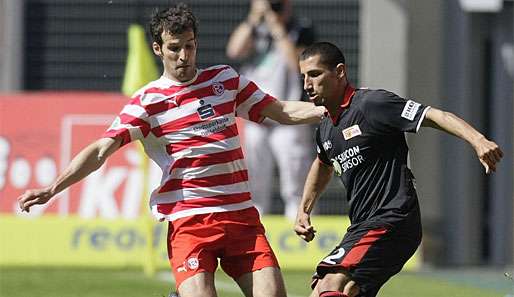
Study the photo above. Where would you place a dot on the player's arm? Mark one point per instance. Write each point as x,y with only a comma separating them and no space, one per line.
317,180
487,151
293,112
85,162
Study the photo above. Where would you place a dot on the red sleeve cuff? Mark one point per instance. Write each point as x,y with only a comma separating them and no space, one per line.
255,112
124,134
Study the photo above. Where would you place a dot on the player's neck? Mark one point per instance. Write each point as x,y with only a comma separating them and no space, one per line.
181,81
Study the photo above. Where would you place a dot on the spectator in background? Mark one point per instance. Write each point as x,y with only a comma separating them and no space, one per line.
269,41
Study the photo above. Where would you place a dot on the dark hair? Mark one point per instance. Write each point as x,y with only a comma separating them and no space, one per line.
330,55
174,20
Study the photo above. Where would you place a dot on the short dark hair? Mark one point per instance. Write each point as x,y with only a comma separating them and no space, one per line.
174,20
330,55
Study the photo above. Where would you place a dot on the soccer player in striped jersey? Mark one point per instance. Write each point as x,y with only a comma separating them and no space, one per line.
363,142
186,122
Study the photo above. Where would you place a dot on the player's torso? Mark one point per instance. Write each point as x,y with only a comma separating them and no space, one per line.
196,119
352,144
368,162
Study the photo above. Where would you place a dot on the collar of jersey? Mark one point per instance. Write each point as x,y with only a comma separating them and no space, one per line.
347,98
180,83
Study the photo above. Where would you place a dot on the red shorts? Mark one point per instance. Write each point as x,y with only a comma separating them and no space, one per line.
235,237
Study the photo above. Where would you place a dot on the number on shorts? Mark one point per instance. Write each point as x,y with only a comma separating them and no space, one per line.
331,258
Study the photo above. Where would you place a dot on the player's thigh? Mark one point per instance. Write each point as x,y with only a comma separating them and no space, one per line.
266,282
201,284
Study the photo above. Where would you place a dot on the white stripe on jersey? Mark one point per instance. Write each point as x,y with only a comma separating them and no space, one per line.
198,193
203,210
209,148
134,110
204,171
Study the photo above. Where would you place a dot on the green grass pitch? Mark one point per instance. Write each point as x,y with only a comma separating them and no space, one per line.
82,282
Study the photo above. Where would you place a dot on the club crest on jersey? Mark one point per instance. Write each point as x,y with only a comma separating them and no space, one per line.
193,263
218,88
351,132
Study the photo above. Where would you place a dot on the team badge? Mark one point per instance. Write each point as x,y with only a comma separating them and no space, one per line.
351,132
410,110
192,263
218,88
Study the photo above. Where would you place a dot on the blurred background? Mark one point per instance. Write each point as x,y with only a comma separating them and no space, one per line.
62,64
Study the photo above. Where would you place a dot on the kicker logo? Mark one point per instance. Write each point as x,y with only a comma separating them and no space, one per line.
410,110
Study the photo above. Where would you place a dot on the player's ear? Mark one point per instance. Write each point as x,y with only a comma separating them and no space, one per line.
341,70
157,50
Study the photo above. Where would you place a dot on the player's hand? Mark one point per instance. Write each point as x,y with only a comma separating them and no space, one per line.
32,197
489,153
303,227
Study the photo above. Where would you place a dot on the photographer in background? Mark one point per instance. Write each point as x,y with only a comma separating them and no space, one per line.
269,42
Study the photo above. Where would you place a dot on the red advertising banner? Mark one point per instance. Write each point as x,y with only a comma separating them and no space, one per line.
39,135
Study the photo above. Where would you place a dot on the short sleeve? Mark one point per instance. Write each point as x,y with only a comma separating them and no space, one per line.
388,113
250,100
322,154
131,124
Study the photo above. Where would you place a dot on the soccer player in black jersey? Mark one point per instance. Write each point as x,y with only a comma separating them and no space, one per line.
362,140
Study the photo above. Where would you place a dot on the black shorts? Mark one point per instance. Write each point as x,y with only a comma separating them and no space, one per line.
373,252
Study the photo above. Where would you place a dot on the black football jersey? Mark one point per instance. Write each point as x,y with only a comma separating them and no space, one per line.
366,145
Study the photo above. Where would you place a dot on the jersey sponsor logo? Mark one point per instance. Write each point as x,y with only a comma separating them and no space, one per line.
410,110
351,132
348,159
205,111
327,145
218,88
193,263
211,127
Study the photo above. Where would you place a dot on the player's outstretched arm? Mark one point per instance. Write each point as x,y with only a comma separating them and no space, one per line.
87,161
487,151
293,112
317,180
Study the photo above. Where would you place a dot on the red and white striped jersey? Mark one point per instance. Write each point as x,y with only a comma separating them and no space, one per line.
189,130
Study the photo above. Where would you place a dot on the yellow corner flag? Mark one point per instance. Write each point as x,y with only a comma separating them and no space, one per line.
140,68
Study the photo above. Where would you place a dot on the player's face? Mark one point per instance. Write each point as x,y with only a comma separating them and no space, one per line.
319,81
178,54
